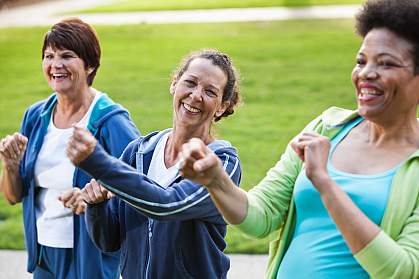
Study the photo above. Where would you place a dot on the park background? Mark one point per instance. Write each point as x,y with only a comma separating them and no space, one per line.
290,72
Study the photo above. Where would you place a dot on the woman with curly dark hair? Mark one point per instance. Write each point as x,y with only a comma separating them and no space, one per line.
344,198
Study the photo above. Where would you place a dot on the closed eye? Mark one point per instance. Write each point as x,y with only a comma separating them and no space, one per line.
68,56
190,83
211,93
389,64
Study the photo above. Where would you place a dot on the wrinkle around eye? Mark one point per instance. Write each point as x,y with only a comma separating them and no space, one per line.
190,83
211,93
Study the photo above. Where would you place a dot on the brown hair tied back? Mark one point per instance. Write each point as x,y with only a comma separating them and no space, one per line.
231,92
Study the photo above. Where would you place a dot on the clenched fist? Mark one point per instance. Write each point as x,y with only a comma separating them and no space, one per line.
12,148
80,145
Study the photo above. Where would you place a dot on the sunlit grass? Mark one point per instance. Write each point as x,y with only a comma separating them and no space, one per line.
155,5
291,71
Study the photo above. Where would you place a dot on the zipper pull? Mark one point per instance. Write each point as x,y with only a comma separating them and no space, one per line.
150,228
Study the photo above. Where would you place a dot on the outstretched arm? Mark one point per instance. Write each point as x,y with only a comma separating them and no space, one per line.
183,200
201,165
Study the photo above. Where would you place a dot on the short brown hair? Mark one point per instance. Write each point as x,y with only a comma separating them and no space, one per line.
223,61
76,35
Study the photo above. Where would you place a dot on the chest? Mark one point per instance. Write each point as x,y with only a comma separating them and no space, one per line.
355,155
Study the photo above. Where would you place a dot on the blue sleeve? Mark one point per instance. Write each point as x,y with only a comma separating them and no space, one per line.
183,200
117,133
31,116
103,225
102,219
24,130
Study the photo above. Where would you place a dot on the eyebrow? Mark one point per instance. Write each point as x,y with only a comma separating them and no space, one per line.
67,51
385,54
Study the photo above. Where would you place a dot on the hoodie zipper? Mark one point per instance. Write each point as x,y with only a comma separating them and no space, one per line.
150,235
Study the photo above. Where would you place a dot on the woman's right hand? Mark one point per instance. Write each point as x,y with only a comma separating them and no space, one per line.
94,193
198,163
12,148
80,145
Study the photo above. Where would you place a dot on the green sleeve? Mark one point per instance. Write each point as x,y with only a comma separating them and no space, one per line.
385,257
269,201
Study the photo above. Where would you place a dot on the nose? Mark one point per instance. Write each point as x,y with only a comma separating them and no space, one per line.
368,72
196,93
57,62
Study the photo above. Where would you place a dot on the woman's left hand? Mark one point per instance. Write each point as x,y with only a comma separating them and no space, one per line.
73,200
80,145
313,149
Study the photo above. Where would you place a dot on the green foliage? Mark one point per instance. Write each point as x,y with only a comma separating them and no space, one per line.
155,5
291,71
11,226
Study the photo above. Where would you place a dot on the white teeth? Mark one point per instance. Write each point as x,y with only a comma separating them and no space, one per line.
59,75
191,109
369,91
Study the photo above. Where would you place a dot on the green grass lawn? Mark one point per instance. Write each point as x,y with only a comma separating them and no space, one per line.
155,5
290,74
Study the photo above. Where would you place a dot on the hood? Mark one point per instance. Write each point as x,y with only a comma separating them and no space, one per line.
103,110
148,143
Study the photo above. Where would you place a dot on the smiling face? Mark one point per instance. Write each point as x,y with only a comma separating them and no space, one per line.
64,70
386,86
197,96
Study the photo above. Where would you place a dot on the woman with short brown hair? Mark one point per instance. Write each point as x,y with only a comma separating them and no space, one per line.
43,178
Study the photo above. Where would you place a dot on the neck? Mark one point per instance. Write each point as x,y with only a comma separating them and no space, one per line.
400,131
179,136
71,108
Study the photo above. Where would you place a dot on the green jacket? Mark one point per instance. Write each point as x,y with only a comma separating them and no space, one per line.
393,253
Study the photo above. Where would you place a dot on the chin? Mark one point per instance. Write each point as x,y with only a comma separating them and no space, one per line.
370,114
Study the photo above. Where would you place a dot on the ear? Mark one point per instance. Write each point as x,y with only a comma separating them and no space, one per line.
173,85
222,108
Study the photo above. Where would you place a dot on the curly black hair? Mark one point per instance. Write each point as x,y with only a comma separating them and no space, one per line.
231,90
399,16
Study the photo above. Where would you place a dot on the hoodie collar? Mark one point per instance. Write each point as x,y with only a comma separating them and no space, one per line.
148,143
103,109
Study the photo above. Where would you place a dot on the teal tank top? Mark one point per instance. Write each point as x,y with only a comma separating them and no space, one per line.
317,249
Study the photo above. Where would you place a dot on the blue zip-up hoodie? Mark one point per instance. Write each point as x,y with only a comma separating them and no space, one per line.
113,128
164,233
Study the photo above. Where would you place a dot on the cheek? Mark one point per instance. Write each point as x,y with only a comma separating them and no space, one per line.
46,69
354,75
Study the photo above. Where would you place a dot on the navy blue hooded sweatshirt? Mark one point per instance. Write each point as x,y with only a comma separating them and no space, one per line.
113,128
164,233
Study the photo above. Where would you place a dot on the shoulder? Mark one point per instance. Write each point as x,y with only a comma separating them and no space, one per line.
223,148
107,112
229,158
34,111
331,120
37,108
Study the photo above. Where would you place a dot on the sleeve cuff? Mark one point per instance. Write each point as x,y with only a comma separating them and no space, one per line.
378,254
97,209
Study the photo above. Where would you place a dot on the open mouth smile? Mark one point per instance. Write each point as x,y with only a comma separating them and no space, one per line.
191,108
